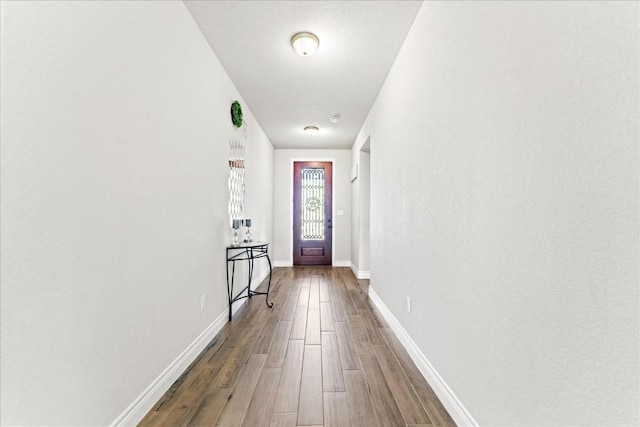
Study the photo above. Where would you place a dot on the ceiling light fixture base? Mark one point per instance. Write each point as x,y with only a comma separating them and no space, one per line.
311,130
305,43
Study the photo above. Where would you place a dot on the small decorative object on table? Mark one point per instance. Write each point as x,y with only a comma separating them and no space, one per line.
235,225
247,236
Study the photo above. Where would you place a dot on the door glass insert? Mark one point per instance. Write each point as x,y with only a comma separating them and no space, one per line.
312,204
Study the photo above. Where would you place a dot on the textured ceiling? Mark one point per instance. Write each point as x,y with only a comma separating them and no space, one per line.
359,41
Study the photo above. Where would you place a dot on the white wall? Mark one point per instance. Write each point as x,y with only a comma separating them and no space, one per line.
361,212
505,203
258,181
364,212
283,202
115,121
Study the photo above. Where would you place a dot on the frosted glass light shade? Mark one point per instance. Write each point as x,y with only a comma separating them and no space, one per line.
305,43
311,130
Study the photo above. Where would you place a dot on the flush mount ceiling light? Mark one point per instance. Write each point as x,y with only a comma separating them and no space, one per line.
305,43
311,130
335,118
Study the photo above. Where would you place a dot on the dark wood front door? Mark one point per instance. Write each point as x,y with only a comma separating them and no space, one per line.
312,207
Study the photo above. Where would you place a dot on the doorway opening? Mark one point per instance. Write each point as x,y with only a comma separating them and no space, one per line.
312,213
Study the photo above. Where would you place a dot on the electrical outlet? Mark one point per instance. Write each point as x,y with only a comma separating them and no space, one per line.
203,302
409,305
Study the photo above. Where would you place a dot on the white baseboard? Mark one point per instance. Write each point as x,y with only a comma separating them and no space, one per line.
359,274
289,263
283,263
353,269
454,406
363,275
148,398
144,403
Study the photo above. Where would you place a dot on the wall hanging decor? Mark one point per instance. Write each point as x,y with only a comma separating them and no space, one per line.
236,180
236,114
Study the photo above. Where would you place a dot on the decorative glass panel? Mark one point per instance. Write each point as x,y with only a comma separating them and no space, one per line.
312,204
236,179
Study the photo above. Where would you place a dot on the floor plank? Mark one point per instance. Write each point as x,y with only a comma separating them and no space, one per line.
326,317
347,304
278,349
361,412
289,387
312,335
289,286
299,328
325,296
376,314
242,346
314,295
360,336
410,369
211,408
384,404
303,297
287,419
236,408
336,410
259,412
408,403
331,369
336,302
437,413
266,336
347,346
371,327
310,405
289,309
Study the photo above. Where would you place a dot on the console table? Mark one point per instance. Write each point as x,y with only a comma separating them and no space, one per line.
246,251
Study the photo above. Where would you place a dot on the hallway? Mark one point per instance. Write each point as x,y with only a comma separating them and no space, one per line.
484,176
322,356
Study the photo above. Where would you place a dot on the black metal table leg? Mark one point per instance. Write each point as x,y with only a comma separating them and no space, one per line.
248,251
266,300
250,259
229,287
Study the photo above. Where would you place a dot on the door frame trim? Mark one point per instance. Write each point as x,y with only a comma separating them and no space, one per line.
333,205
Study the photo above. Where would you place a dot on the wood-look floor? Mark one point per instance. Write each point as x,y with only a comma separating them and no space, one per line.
322,356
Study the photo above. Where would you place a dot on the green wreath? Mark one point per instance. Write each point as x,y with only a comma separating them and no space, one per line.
236,114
